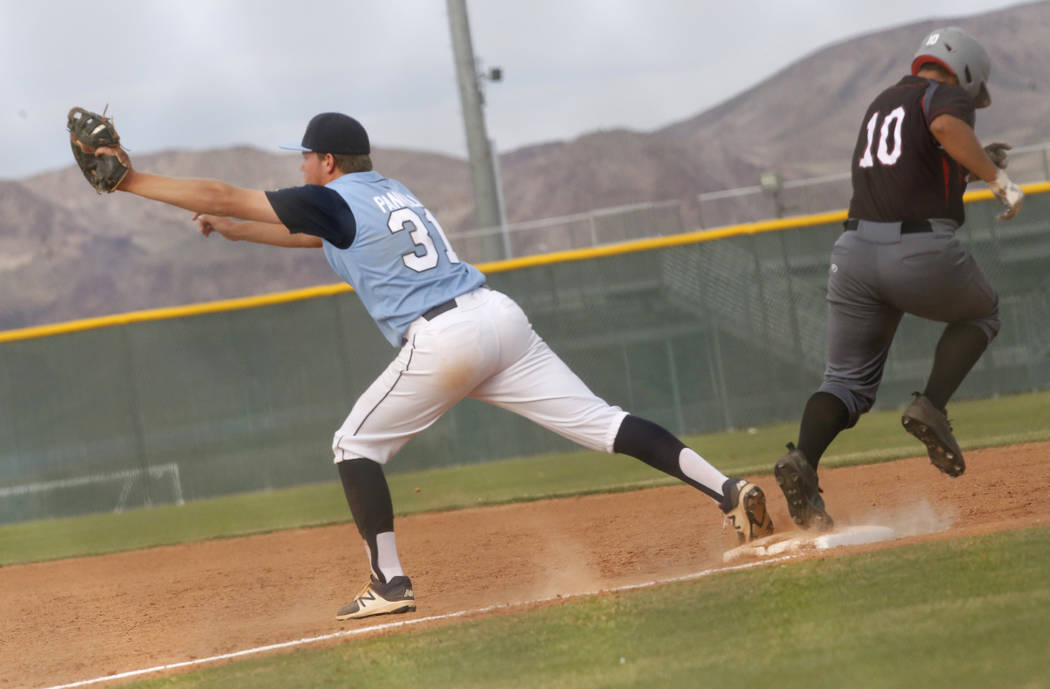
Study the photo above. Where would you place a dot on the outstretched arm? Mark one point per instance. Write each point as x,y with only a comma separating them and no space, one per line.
274,234
199,195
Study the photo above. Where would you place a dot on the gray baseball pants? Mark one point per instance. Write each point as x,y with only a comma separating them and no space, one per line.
877,274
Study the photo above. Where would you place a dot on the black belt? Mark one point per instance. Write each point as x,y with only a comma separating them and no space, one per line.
907,226
436,311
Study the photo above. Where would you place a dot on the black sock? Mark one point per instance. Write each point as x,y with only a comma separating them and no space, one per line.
825,416
657,447
368,496
959,348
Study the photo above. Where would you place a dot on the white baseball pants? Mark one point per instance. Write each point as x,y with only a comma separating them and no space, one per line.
486,349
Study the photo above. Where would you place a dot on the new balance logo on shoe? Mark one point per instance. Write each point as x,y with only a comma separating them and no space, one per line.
376,598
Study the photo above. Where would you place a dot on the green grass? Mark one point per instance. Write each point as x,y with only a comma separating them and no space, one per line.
878,437
966,613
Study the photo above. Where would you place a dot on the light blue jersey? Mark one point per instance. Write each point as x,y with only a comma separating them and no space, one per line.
399,262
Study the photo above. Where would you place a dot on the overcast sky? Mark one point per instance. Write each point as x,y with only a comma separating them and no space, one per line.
213,73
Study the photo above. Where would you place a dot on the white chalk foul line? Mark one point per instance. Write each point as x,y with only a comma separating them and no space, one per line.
419,620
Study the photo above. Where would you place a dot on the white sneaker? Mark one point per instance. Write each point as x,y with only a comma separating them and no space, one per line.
744,505
380,599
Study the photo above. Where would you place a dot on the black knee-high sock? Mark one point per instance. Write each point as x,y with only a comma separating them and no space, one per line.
825,416
959,348
657,447
368,496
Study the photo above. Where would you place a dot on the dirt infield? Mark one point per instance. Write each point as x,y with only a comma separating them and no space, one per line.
83,618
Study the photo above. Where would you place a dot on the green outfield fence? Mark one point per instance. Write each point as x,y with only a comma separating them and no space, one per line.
700,332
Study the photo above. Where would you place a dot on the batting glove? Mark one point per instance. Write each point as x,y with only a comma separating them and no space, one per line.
1011,195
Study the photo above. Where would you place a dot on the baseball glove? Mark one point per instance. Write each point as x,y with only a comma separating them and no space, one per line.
89,131
998,153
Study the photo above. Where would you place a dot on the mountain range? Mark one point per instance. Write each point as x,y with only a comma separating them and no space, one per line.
68,253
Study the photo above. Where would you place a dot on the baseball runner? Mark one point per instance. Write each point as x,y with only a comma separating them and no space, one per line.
898,254
455,337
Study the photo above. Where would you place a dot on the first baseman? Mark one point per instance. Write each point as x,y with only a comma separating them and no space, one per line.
454,336
898,254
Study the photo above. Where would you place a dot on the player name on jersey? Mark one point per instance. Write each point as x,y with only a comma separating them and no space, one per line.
393,200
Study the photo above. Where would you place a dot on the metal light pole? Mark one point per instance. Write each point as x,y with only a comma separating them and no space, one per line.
487,196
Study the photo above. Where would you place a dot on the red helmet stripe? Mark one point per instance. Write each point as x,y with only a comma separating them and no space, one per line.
918,62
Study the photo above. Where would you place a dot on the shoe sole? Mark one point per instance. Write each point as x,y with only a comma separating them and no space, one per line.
761,524
803,512
942,457
389,609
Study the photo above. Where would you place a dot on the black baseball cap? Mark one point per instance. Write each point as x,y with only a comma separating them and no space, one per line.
333,132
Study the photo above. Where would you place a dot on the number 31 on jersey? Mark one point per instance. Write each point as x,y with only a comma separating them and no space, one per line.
408,219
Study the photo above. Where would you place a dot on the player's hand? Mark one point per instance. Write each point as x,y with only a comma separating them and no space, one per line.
216,223
120,154
1011,195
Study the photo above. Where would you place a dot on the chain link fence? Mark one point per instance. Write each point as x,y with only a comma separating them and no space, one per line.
704,332
775,198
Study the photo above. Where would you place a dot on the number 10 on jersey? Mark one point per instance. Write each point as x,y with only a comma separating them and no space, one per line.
890,144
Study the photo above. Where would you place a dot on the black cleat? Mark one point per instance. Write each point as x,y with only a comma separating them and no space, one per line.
930,425
798,481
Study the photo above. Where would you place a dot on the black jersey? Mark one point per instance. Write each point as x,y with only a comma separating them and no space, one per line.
900,171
